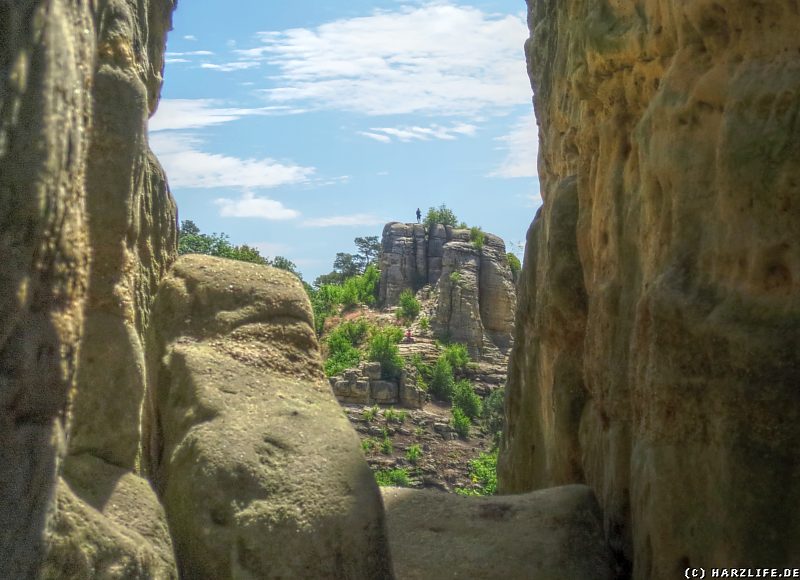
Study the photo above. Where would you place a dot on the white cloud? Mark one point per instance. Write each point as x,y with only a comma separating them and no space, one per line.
191,53
190,37
251,206
376,136
522,150
435,58
231,66
188,166
385,134
359,219
176,60
180,114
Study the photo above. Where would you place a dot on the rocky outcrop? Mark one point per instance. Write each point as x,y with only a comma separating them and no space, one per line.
657,351
476,292
364,385
260,474
548,535
77,185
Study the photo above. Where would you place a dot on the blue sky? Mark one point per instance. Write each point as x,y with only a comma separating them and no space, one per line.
296,126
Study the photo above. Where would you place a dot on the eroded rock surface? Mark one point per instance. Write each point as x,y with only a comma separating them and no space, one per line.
260,473
657,351
78,186
108,523
547,535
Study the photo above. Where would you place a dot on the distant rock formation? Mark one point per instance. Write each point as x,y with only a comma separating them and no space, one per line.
476,292
657,353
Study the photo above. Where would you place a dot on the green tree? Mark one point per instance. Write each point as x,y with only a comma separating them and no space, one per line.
441,215
369,248
514,264
192,241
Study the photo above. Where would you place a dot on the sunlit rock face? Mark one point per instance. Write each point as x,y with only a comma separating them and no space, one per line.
657,351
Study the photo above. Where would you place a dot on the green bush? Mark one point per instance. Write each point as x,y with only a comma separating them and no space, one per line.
494,414
477,237
514,264
441,383
424,323
465,398
393,477
455,277
369,414
383,349
368,445
386,445
341,355
409,305
441,215
394,416
460,422
457,355
483,471
414,454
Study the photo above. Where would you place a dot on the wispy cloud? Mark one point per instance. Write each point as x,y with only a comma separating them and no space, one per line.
231,66
190,37
434,58
359,219
521,145
182,114
189,166
251,206
406,134
191,53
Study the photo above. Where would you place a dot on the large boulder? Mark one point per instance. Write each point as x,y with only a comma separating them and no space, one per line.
260,473
658,344
547,535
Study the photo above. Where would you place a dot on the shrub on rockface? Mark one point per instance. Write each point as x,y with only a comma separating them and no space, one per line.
457,355
383,349
465,398
342,345
460,422
514,265
409,305
441,383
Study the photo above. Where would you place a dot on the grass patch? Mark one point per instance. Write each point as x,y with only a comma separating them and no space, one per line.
393,477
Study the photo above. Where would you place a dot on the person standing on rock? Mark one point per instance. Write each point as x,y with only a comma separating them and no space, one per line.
419,215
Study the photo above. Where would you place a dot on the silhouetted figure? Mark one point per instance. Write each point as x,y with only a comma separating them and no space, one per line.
419,215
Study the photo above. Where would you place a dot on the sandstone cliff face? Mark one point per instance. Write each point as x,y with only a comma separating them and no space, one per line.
476,297
77,82
657,351
260,474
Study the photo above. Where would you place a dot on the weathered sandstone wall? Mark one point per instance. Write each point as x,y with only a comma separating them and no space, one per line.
657,352
85,219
